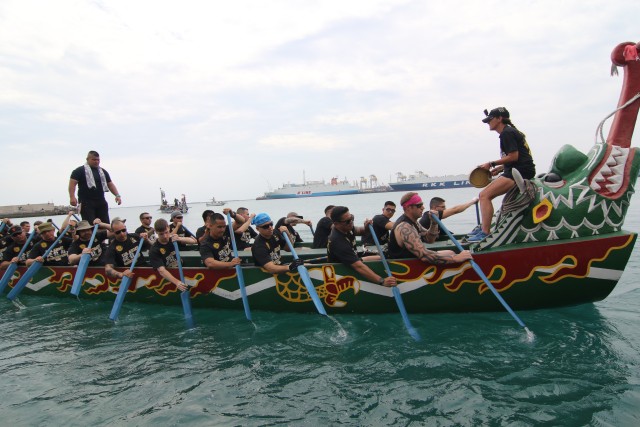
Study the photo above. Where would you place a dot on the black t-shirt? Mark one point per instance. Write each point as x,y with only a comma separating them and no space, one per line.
425,221
121,254
379,227
57,256
86,193
292,232
182,232
243,240
342,247
321,236
218,249
163,255
512,140
97,250
13,250
265,251
151,232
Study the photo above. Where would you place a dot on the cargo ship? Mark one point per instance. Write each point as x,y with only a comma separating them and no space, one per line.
421,181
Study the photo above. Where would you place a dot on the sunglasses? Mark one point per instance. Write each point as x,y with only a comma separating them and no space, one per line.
418,205
347,221
390,210
124,230
178,217
148,217
266,226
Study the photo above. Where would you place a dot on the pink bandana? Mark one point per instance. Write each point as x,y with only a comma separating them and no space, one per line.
414,200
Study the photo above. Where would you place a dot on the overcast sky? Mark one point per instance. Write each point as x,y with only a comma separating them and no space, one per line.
231,98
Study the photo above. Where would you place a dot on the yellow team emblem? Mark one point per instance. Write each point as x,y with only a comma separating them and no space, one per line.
163,251
119,248
216,246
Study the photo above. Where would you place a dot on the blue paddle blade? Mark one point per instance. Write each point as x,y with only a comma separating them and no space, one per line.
122,292
304,275
78,279
24,280
185,296
405,317
8,274
243,292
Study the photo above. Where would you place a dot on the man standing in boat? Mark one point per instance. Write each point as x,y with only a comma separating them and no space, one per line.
267,245
216,249
382,224
92,182
342,246
514,154
408,236
162,254
122,249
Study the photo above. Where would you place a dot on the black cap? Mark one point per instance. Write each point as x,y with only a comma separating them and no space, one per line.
15,229
496,112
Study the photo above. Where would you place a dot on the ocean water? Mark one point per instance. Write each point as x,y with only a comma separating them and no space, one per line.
64,363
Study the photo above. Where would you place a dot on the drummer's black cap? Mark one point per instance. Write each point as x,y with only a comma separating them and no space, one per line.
496,112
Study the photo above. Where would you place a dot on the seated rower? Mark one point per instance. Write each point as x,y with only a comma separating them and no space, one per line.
216,249
80,245
16,240
267,245
291,220
382,224
407,236
342,246
58,255
438,206
176,227
245,233
162,254
323,229
122,249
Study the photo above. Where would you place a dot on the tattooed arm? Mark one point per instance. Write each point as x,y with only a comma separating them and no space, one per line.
408,237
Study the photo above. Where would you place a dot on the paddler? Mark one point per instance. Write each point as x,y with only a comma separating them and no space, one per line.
408,236
162,254
122,250
267,245
216,249
81,245
17,239
58,255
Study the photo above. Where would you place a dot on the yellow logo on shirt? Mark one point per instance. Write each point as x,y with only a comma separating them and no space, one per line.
216,246
163,251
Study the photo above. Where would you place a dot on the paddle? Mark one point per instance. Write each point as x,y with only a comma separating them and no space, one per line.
8,274
185,296
33,269
124,286
306,280
2,225
313,233
396,292
484,278
239,273
78,279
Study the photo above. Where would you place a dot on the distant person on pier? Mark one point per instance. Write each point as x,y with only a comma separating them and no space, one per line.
245,233
162,254
80,246
216,250
342,246
176,227
145,227
291,220
17,239
323,229
58,255
408,236
382,225
122,249
515,154
438,206
92,182
267,245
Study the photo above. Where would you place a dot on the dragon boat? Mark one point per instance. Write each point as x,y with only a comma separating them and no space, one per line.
557,240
